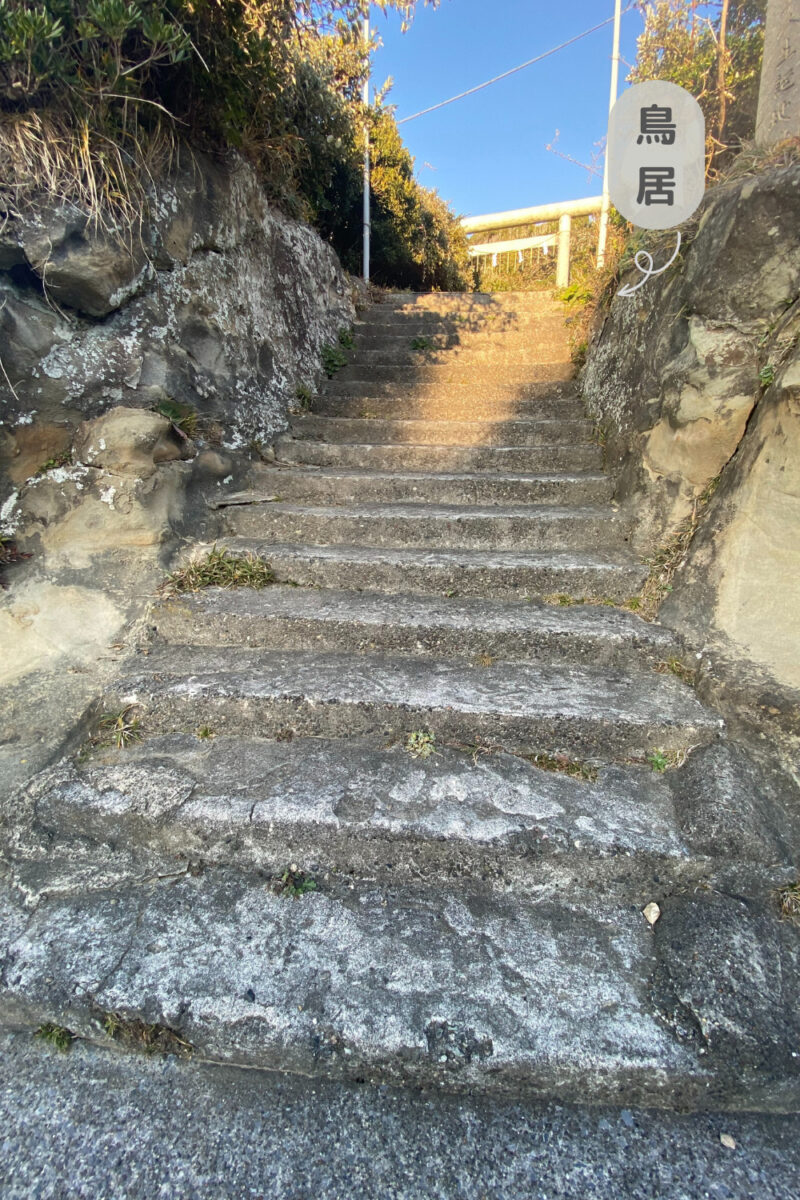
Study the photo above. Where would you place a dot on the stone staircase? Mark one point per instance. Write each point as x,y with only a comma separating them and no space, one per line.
378,723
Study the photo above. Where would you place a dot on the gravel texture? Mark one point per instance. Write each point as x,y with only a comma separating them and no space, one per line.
96,1124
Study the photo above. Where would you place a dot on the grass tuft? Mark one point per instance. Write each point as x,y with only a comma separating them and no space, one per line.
118,729
56,1035
220,569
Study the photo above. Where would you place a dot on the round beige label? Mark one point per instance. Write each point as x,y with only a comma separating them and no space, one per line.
656,154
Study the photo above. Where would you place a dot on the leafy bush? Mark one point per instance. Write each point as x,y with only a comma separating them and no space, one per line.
95,95
685,46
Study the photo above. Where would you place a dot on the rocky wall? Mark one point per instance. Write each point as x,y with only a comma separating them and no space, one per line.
215,304
215,301
694,379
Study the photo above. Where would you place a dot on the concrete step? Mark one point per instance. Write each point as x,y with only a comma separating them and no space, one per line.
583,712
361,808
571,997
456,328
434,458
485,306
298,619
511,574
525,432
430,526
528,355
479,380
541,332
327,485
360,401
389,378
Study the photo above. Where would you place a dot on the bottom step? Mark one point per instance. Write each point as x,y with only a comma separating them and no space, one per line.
573,997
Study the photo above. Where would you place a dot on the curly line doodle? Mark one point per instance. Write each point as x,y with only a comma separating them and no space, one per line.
647,270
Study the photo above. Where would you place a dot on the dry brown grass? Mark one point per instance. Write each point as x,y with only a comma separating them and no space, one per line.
669,556
789,901
67,161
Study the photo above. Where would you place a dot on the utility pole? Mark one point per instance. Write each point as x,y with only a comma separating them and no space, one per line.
365,98
601,237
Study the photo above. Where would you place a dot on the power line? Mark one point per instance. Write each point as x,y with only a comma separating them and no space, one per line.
471,91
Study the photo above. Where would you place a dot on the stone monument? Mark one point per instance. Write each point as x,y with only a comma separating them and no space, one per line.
779,92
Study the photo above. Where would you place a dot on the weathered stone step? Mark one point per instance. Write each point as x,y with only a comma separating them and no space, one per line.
360,486
432,458
360,807
480,380
527,432
501,574
586,713
360,401
297,619
568,998
430,526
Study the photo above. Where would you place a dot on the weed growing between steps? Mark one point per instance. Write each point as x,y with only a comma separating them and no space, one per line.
119,729
659,760
563,600
333,359
561,764
294,883
303,398
674,666
135,1034
420,744
113,731
220,569
57,1036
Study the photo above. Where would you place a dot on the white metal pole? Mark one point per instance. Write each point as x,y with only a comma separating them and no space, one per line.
602,234
365,98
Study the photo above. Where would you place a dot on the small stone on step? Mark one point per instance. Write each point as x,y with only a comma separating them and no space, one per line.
728,1141
651,912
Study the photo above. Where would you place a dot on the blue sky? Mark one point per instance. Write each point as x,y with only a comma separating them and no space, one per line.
487,152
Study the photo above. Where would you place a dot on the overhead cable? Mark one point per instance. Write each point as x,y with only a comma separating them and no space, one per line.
471,91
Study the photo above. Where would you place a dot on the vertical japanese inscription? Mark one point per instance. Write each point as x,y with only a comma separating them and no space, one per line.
779,91
656,149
